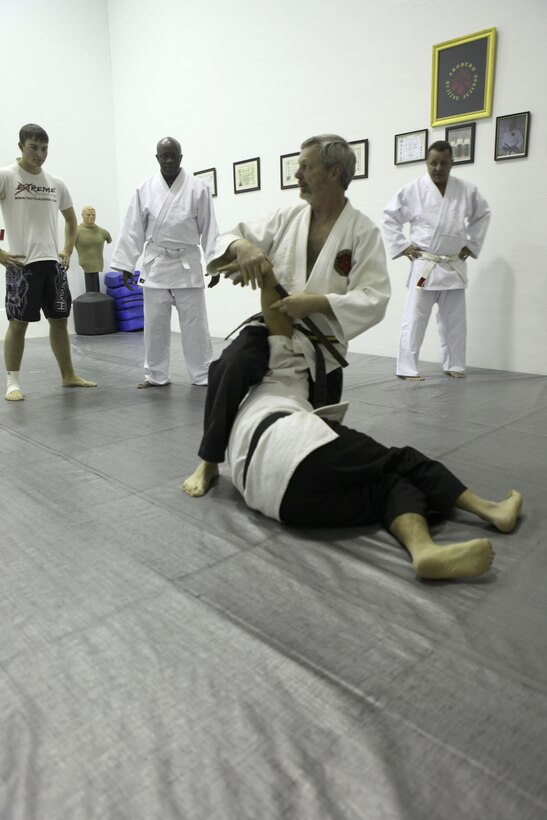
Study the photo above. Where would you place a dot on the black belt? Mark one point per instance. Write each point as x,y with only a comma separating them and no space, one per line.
256,317
312,330
259,429
320,381
317,338
316,331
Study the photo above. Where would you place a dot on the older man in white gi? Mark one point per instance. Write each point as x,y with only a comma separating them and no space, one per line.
448,219
169,216
330,259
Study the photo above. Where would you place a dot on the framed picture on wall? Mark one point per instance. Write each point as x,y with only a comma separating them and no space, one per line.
360,149
462,140
410,147
463,78
288,169
247,175
209,175
512,136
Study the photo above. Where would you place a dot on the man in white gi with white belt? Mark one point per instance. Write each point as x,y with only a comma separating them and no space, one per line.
330,259
448,219
304,467
169,216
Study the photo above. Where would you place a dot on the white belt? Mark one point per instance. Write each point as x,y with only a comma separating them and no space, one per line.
434,259
173,252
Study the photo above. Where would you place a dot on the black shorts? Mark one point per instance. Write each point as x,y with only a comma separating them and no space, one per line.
40,285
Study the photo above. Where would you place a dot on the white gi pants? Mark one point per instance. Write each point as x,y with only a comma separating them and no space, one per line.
451,325
194,330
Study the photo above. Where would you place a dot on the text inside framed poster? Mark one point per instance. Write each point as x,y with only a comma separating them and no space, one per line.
463,78
360,149
288,169
247,175
209,175
410,147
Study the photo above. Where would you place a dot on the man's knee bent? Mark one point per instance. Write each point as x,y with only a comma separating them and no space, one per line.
249,353
17,328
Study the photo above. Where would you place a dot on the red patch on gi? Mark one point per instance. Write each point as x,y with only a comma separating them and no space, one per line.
342,263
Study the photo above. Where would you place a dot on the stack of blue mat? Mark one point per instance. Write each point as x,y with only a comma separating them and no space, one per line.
128,303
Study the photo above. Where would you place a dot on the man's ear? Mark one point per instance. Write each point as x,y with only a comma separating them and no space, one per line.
337,170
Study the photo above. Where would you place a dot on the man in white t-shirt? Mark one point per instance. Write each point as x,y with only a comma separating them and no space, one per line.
35,269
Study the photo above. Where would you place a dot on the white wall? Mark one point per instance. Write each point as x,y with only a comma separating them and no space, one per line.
233,80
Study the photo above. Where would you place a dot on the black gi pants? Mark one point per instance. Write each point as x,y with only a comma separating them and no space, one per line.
355,481
243,363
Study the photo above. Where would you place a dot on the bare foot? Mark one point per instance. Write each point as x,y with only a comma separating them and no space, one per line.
201,479
465,560
145,384
14,395
454,374
412,378
76,381
505,513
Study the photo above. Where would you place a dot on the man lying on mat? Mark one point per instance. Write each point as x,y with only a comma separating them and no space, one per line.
304,467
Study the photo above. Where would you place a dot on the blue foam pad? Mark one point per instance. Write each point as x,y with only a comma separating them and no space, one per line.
114,279
122,291
131,324
135,298
130,313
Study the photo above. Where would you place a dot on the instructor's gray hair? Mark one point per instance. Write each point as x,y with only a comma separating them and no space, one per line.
334,150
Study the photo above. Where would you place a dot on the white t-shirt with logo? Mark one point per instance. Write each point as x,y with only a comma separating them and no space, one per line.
30,205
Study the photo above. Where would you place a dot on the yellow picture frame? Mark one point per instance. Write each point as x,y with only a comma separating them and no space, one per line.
463,78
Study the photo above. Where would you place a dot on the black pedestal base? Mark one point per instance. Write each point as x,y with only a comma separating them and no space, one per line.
94,314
